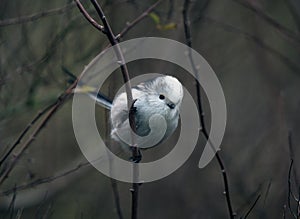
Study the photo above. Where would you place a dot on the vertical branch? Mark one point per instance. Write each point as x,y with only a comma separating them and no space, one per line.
298,204
188,37
290,190
114,186
284,210
291,149
121,61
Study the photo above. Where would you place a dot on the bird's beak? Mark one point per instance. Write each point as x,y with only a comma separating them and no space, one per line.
171,105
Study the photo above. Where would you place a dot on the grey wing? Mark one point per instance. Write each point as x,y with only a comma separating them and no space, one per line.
119,113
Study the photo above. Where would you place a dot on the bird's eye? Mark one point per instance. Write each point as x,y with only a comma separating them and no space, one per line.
162,97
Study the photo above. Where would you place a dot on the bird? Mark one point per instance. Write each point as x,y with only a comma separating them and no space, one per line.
156,106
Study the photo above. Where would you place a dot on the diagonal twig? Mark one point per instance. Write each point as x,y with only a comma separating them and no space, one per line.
24,132
131,24
294,12
33,17
230,28
51,111
252,207
89,18
282,29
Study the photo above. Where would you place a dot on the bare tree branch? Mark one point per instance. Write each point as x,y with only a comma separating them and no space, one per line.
188,37
51,111
19,213
252,207
294,12
114,186
290,190
33,17
282,29
89,18
29,125
131,24
135,150
284,212
293,66
45,180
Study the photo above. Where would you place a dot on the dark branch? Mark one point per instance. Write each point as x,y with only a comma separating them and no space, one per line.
252,207
230,28
88,17
114,186
282,29
131,24
36,16
294,12
51,111
18,140
45,180
204,131
290,190
114,42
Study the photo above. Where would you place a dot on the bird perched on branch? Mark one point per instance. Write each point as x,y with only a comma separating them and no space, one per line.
155,109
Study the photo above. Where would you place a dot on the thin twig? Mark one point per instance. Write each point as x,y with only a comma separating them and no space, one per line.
114,186
267,193
230,28
282,29
290,190
44,58
59,102
252,207
292,155
115,190
12,205
284,210
121,61
33,136
131,24
294,12
48,212
19,213
45,180
89,18
298,204
188,37
36,16
40,206
49,179
171,9
29,125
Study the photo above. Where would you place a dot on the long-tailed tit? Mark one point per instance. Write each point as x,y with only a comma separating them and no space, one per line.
156,111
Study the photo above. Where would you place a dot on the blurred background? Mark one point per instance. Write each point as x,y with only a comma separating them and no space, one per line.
252,45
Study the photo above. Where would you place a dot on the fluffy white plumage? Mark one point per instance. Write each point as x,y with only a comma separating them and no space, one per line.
161,96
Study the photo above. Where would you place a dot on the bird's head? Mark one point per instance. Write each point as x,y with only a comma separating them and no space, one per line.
166,91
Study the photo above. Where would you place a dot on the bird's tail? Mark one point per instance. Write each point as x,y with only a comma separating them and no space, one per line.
101,99
92,92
